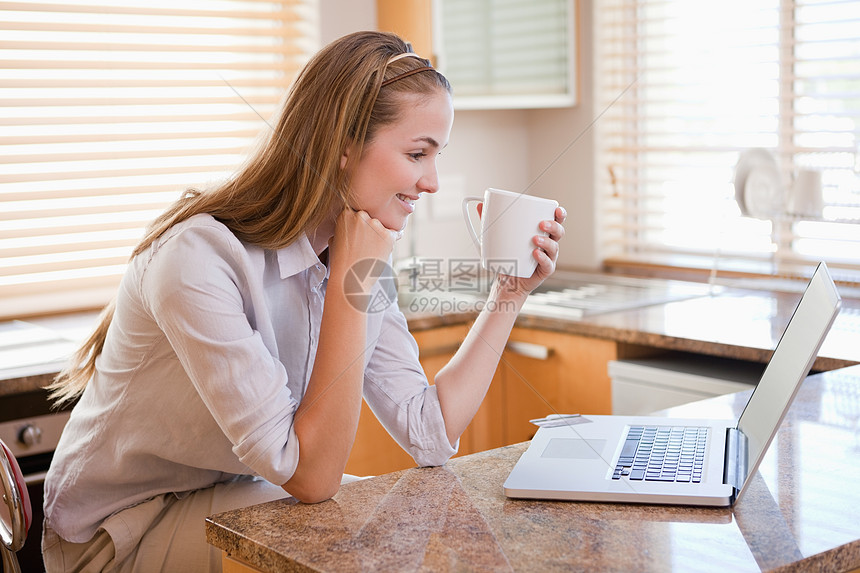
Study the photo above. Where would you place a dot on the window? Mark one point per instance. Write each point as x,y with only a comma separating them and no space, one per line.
688,87
109,110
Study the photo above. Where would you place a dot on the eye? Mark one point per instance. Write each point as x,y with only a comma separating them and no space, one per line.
418,155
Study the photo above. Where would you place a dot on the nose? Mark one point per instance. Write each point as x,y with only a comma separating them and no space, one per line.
429,181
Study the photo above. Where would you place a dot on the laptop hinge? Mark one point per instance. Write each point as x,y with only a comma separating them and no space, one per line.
737,457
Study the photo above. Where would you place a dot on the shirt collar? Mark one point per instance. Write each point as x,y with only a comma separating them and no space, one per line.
297,257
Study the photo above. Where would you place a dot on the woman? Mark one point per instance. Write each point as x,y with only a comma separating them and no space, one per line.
231,367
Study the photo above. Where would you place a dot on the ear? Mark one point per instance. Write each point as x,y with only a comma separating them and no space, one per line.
344,159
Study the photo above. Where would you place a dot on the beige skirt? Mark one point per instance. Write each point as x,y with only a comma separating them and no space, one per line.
165,533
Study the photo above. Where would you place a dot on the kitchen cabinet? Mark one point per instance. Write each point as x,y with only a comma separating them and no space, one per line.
412,21
541,372
497,54
544,372
375,451
500,54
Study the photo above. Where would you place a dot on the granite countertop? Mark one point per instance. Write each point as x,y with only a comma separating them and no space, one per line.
738,323
733,323
798,514
33,351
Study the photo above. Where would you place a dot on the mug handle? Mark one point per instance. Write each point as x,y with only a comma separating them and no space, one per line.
469,225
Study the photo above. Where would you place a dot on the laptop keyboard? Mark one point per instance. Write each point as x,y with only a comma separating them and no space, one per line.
662,453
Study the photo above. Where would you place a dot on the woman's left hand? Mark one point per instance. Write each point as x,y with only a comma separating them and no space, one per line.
546,253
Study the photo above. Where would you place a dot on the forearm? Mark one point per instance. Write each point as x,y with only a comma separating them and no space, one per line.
463,382
327,418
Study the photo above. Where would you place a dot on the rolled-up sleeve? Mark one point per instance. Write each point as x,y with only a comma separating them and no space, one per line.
400,396
195,287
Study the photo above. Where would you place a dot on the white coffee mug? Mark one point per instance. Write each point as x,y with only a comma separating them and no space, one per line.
509,222
805,198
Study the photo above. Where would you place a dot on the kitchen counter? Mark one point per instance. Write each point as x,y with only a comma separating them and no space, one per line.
798,514
33,351
733,323
736,323
740,325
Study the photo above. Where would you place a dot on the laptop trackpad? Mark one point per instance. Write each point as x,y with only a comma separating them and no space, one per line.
573,448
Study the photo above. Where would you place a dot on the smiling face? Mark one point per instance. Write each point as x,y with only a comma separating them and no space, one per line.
399,164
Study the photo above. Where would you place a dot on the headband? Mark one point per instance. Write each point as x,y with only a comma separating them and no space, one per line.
407,73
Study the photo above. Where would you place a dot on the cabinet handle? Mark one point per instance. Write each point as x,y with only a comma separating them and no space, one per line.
529,349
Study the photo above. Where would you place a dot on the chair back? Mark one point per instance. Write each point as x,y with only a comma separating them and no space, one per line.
18,515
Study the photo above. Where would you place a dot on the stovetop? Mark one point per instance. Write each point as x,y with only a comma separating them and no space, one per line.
577,295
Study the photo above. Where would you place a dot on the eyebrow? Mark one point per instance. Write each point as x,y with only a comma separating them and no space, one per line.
428,140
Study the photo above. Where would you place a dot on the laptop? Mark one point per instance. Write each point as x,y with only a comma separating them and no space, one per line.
650,459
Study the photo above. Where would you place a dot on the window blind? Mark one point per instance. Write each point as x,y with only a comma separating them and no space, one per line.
507,53
688,87
110,110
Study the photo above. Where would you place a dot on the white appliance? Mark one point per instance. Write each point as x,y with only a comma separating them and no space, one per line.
643,386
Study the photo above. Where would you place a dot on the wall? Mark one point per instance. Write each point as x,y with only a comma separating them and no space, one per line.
549,152
562,158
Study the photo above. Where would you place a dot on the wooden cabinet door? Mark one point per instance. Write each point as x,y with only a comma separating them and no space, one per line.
375,452
540,373
412,21
555,373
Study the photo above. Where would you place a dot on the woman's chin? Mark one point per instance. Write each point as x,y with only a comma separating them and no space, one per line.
395,223
391,221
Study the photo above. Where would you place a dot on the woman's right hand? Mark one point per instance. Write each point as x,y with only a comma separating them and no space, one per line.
327,417
358,236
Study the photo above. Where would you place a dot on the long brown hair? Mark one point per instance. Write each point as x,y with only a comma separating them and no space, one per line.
294,181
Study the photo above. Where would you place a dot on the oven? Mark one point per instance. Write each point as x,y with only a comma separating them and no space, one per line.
31,354
31,430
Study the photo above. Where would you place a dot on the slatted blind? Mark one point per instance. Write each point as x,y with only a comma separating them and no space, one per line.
109,110
689,86
507,53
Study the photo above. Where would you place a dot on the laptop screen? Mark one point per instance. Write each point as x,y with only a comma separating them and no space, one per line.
789,365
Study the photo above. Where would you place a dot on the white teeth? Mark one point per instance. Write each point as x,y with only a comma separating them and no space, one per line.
406,199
